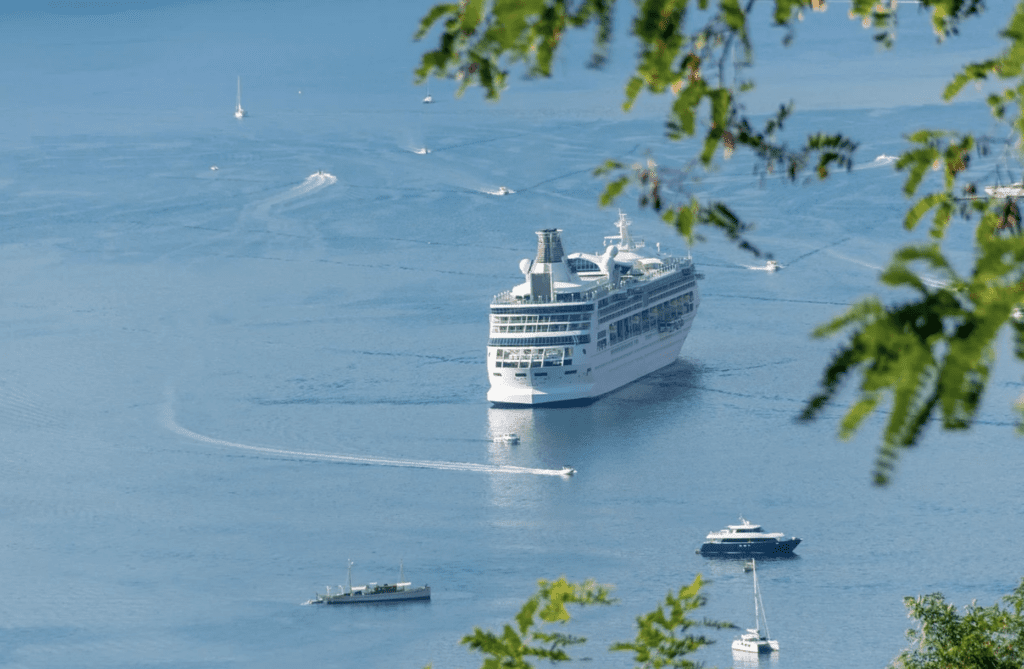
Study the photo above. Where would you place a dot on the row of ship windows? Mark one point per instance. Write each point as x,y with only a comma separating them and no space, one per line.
661,288
516,353
676,285
545,327
548,318
663,317
525,364
533,357
543,311
566,372
618,310
571,340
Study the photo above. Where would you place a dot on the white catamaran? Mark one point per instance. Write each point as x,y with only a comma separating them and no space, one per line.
582,325
756,640
239,112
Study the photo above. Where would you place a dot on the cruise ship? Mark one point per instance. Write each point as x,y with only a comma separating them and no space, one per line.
582,325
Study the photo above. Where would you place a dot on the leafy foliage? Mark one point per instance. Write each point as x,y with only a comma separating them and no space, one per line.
979,638
931,356
925,358
693,50
513,646
658,643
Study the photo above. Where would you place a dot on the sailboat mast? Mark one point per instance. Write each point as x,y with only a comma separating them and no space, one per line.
759,607
757,597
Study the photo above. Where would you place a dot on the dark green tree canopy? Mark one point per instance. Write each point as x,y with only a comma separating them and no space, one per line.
978,638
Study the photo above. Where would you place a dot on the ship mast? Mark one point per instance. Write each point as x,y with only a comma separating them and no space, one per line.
759,614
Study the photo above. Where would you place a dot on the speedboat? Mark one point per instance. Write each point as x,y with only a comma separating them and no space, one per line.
239,112
509,438
568,471
747,540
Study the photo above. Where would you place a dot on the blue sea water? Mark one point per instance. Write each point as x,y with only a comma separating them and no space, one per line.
190,354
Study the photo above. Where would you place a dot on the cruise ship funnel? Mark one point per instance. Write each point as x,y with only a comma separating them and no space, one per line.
549,268
549,246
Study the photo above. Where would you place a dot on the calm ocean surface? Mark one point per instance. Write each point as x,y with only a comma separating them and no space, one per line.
184,350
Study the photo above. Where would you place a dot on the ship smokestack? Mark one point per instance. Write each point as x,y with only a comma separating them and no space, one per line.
549,246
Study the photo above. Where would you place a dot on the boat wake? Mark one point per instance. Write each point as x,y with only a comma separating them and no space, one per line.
770,266
880,161
171,423
929,281
313,183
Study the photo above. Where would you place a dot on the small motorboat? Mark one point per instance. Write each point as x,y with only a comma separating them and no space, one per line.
507,438
239,112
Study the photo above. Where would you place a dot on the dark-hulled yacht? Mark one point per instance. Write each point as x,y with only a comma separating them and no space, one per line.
747,540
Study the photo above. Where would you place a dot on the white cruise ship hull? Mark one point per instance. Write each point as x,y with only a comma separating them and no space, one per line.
601,374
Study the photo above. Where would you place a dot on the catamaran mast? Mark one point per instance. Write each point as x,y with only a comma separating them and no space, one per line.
759,614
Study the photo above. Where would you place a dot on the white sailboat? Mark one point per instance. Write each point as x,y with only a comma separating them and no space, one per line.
756,641
239,112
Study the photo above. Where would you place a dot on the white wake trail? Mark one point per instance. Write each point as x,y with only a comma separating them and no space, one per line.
173,426
313,183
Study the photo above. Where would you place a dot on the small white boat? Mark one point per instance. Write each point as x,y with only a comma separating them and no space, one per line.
399,592
1012,191
769,266
508,438
239,112
568,471
504,191
756,641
